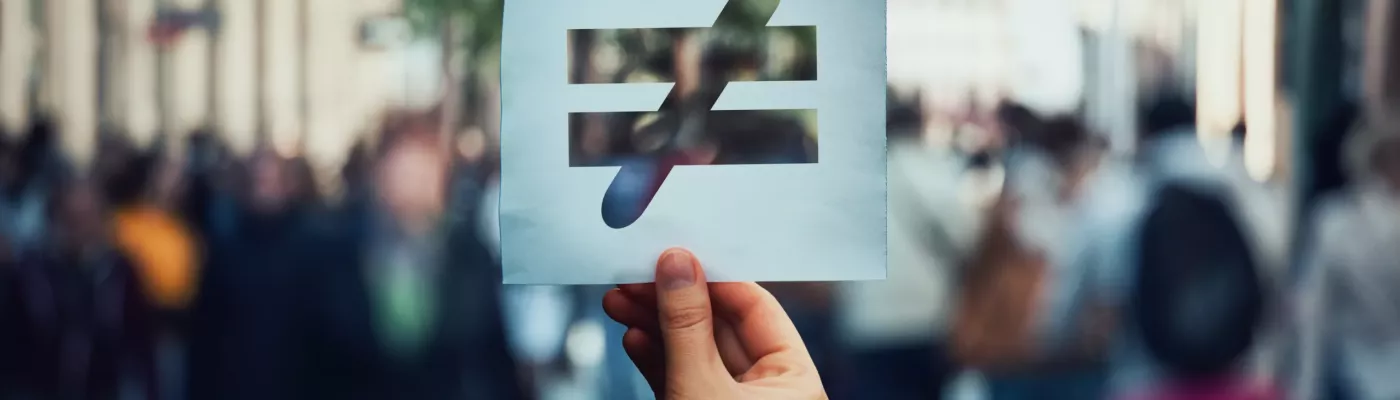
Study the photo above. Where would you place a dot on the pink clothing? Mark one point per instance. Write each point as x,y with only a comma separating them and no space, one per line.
1232,390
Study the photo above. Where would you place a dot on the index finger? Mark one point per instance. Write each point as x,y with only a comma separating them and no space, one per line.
762,327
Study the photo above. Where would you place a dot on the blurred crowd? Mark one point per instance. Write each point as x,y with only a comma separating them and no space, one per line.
1027,260
190,274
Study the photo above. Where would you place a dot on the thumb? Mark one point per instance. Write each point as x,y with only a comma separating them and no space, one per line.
687,324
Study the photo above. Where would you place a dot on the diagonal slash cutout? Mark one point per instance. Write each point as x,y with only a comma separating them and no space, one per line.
686,129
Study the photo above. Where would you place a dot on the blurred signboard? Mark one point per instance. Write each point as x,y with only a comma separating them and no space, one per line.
172,23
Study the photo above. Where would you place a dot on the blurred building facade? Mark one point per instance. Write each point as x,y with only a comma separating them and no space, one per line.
18,49
970,54
950,51
308,75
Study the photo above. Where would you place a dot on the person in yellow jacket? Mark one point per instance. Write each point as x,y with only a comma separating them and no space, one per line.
160,244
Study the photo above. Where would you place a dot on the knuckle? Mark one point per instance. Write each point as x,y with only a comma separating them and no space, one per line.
686,317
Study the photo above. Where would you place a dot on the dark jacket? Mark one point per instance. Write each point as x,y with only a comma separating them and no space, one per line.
75,331
465,356
242,323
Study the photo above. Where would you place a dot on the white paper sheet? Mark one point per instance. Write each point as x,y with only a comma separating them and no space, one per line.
791,222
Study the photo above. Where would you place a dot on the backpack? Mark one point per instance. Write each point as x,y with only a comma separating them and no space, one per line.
997,295
1197,298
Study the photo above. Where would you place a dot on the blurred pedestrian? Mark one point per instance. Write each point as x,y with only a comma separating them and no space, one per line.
896,330
243,332
152,233
404,304
1262,208
78,325
9,176
203,193
26,198
1327,151
1349,310
303,183
1198,299
355,176
9,180
1052,344
1169,160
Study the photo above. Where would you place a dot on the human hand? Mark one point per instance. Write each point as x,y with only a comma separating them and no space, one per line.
697,340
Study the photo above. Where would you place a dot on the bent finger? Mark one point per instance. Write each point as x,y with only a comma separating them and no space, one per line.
641,293
736,358
759,322
646,353
628,312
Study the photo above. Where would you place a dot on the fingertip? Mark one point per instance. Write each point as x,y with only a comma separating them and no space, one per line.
641,293
636,338
641,347
677,269
614,302
680,251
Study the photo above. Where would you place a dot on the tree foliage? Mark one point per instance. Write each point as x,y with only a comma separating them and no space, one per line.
481,20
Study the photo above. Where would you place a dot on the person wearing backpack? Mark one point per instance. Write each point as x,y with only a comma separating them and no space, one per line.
1086,315
1019,318
1170,160
1198,298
